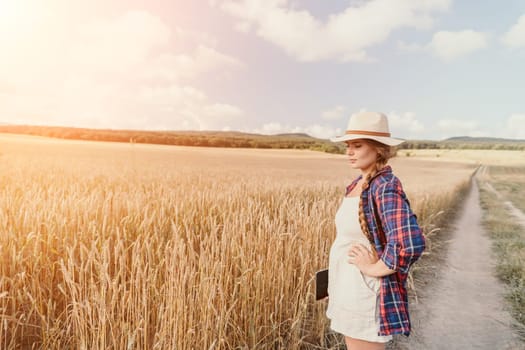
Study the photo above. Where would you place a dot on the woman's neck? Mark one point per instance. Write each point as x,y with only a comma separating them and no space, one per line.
367,171
374,168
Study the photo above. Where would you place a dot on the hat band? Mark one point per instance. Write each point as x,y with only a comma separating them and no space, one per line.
369,133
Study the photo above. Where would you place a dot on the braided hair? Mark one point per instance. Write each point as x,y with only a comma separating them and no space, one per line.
384,152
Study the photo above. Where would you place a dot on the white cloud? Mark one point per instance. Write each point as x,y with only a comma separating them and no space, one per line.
410,47
118,45
515,36
29,32
451,45
455,127
243,27
120,72
215,115
345,36
178,107
184,36
516,126
115,46
322,131
405,125
176,67
336,113
315,130
272,128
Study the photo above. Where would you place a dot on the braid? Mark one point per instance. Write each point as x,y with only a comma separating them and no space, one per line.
384,152
362,218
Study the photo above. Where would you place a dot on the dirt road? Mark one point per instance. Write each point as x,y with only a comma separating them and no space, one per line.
463,307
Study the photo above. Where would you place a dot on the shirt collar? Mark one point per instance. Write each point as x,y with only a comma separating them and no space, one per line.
385,170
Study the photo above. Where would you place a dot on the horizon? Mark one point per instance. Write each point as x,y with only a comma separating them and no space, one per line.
242,132
437,69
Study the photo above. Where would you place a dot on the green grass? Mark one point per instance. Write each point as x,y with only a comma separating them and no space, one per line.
508,236
510,182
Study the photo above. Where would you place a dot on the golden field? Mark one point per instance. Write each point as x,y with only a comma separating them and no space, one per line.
469,156
129,246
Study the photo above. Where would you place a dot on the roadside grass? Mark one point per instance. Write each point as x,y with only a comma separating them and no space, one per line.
435,215
508,235
510,182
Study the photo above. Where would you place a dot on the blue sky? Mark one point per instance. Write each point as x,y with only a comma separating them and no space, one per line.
437,68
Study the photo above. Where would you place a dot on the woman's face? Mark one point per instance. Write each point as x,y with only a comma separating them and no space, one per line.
361,154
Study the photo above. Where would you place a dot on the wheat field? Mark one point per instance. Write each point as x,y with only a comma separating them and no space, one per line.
127,246
471,156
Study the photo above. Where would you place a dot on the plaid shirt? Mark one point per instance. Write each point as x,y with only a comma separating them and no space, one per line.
404,245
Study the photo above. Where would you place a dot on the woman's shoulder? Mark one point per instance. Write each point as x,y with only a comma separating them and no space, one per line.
386,181
352,184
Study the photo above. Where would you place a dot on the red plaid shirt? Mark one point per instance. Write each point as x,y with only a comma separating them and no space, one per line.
404,245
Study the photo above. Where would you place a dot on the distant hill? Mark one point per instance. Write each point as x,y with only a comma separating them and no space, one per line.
239,139
482,139
294,135
466,142
182,138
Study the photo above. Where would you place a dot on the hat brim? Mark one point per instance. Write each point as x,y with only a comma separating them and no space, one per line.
385,140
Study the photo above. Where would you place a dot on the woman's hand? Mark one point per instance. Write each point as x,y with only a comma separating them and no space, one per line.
367,262
361,257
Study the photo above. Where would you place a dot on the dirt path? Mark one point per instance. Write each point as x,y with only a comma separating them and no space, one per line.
463,307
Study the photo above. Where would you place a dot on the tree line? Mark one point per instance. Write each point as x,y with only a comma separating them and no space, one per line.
239,139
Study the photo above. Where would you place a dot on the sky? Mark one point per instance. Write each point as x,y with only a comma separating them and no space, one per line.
437,68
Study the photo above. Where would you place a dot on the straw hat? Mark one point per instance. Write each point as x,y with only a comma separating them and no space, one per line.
368,125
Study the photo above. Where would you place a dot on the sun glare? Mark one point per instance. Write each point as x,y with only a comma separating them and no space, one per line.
20,14
10,10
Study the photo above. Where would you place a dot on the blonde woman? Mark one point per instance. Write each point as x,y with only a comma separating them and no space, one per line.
377,241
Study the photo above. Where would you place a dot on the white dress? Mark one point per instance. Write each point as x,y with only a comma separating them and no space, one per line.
353,298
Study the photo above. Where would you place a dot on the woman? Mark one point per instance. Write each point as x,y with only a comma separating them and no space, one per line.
377,241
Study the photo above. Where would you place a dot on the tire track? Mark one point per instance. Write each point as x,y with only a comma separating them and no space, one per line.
518,214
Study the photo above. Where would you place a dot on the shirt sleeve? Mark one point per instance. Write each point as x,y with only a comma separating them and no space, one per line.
404,240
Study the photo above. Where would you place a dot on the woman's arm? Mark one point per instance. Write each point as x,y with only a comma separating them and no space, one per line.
404,240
